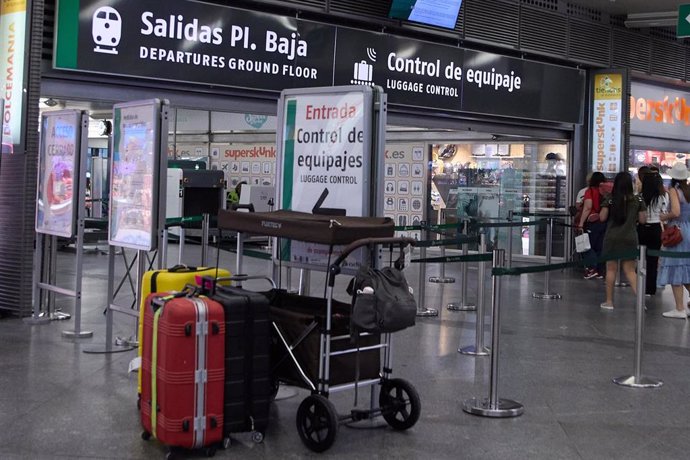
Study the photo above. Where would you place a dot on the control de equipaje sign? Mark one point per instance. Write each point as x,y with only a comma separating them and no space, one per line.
216,45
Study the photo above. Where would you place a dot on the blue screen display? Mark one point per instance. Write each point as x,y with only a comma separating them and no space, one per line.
440,13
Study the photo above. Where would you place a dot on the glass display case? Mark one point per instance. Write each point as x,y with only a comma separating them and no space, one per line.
484,181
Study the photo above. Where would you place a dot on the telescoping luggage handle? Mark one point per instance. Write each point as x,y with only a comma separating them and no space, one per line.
209,283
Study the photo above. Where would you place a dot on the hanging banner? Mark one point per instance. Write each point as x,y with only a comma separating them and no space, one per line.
58,173
607,122
206,44
405,191
134,178
12,52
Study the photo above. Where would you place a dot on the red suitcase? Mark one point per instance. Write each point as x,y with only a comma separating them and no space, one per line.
183,370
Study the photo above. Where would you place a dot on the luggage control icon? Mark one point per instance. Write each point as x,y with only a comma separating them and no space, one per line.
363,73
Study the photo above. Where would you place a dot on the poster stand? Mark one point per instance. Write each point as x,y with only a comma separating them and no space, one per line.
60,211
331,144
138,167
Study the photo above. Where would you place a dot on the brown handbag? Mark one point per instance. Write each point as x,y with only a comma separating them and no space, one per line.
671,236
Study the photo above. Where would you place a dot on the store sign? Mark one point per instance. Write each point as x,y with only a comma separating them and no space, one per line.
656,111
58,173
607,122
217,45
12,43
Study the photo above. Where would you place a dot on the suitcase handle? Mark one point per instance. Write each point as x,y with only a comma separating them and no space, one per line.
182,268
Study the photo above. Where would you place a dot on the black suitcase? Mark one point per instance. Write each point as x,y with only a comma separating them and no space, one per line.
248,386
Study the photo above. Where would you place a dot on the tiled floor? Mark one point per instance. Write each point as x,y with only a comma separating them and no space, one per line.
557,358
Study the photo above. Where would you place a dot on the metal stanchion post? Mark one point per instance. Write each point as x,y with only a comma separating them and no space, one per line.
423,311
493,406
180,249
478,349
164,249
77,333
205,224
637,380
510,241
304,282
547,274
442,278
463,305
37,302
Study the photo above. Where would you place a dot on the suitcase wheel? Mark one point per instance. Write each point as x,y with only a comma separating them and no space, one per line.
226,443
257,437
145,435
210,451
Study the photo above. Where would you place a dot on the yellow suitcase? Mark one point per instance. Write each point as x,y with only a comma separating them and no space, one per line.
172,279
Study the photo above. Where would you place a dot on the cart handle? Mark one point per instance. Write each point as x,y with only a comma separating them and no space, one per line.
401,241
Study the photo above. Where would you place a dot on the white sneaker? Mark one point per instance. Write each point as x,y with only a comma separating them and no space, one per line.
675,314
606,306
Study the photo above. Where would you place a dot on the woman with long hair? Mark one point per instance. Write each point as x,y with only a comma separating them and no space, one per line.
622,211
657,201
674,271
590,222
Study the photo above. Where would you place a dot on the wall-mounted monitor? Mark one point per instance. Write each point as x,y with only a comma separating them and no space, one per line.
439,13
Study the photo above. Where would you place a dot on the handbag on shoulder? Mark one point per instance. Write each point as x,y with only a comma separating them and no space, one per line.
671,236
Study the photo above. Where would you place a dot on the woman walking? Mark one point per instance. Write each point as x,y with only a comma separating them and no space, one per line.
591,223
657,201
673,271
622,211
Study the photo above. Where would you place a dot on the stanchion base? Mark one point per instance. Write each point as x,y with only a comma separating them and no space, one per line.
643,382
427,312
461,307
472,351
438,279
504,409
77,335
544,295
105,350
36,321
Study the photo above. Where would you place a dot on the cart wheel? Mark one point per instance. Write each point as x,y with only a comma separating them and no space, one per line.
145,435
257,437
400,404
317,423
210,451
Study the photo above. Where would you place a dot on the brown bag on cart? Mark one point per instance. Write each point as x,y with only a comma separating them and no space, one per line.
382,301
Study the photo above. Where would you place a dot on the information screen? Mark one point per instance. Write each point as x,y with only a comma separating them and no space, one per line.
440,13
134,176
58,173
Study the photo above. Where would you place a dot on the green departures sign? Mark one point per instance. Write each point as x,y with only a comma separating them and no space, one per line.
67,34
683,29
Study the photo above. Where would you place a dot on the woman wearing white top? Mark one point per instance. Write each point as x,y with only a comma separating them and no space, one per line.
657,200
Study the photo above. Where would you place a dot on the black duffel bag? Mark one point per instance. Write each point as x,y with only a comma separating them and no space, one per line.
382,301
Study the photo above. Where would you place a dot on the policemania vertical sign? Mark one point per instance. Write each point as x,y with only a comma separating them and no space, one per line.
12,41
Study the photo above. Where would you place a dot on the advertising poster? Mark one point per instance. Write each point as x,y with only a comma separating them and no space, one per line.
325,160
254,164
404,187
12,42
58,173
607,122
134,176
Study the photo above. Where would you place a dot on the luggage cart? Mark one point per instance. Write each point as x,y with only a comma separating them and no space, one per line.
326,322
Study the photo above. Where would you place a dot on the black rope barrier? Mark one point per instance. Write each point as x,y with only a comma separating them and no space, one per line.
449,259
